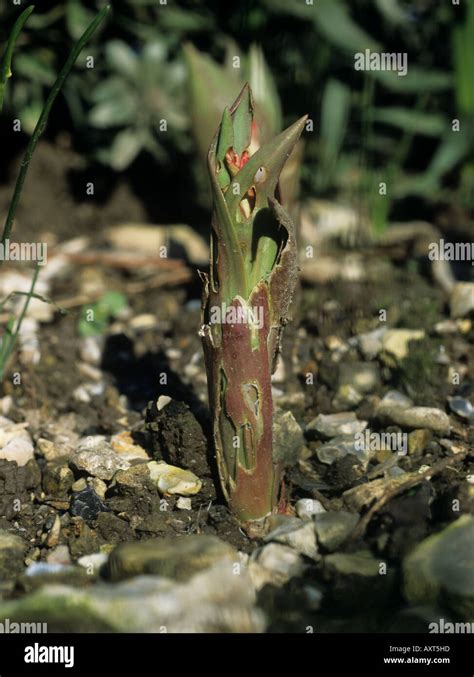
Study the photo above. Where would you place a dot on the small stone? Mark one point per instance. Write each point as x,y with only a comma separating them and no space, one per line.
215,600
360,563
89,372
143,321
15,442
32,556
288,438
383,455
274,563
82,539
464,326
81,394
64,437
414,417
156,524
462,299
462,407
50,451
95,457
333,528
91,349
306,508
172,480
446,327
57,480
93,562
418,440
86,391
297,534
343,423
113,529
40,574
12,552
184,503
370,344
79,485
87,504
363,376
175,558
6,404
397,398
99,486
396,344
335,343
52,539
342,446
19,450
440,570
162,401
347,397
136,478
357,579
123,444
59,555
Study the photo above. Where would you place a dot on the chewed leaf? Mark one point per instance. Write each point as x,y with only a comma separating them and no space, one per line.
242,119
264,167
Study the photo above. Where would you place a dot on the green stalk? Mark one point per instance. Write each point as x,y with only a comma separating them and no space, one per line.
245,305
43,119
5,68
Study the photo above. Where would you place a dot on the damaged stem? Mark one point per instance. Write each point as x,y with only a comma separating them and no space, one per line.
253,273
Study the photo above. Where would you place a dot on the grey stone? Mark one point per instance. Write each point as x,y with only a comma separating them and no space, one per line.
288,438
347,397
333,528
274,563
96,457
306,508
12,553
414,417
396,344
57,479
462,407
213,600
342,446
363,376
332,425
370,344
177,558
297,534
462,299
87,504
440,570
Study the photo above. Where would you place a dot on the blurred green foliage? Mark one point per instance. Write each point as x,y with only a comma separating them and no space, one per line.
139,101
96,317
368,126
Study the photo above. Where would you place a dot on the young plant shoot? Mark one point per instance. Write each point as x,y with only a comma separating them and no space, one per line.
246,298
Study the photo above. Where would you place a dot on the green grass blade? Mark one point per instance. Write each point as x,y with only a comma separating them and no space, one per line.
43,119
7,347
5,68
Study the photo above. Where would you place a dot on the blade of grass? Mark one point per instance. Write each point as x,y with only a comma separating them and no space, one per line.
5,69
12,337
43,120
